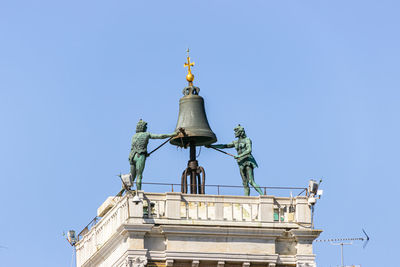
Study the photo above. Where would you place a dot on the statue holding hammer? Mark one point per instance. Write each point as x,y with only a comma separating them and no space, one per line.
244,158
138,154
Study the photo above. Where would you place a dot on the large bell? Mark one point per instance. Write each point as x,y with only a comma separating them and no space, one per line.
192,118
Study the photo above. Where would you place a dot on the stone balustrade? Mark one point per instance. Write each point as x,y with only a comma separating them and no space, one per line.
174,208
264,209
100,233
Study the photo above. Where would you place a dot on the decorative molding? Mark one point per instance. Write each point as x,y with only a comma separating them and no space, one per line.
139,262
195,263
246,264
169,263
135,228
305,264
305,234
156,255
221,257
221,264
190,222
260,233
305,260
126,256
287,260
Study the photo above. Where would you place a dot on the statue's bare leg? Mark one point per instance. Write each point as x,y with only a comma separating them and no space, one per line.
133,172
245,181
140,163
250,175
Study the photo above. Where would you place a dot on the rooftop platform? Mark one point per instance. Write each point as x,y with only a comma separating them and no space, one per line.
175,229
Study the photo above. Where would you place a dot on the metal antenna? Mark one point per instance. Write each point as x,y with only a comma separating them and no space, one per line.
341,250
366,238
334,240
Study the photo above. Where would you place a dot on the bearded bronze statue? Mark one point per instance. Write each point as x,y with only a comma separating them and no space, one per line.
138,154
244,158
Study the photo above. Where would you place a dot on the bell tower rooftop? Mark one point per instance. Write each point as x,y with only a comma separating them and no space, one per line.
176,229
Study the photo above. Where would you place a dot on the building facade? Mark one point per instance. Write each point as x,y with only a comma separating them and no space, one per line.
175,229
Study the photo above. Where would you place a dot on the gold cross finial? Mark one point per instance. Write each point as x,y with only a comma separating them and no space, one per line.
189,76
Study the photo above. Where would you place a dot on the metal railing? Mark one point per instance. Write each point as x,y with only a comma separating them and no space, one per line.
218,187
89,226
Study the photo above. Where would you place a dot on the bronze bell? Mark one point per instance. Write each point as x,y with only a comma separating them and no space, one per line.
192,118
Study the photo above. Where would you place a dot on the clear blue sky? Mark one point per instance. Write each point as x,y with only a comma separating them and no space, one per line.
314,83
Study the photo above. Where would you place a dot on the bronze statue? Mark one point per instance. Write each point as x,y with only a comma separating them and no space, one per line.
244,158
138,154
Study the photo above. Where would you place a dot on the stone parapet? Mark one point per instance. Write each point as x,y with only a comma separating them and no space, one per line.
216,230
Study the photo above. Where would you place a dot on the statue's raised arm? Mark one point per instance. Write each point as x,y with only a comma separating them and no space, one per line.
162,136
138,154
222,146
244,158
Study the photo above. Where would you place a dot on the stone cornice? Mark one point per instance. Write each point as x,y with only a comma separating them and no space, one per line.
305,234
135,228
156,255
231,257
260,233
215,223
287,259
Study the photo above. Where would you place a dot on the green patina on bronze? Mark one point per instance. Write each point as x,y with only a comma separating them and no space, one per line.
138,154
244,158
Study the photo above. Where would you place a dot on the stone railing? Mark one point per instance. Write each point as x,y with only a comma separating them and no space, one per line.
178,208
100,233
226,208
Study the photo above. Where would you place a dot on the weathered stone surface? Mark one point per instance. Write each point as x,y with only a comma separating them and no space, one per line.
199,230
107,205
